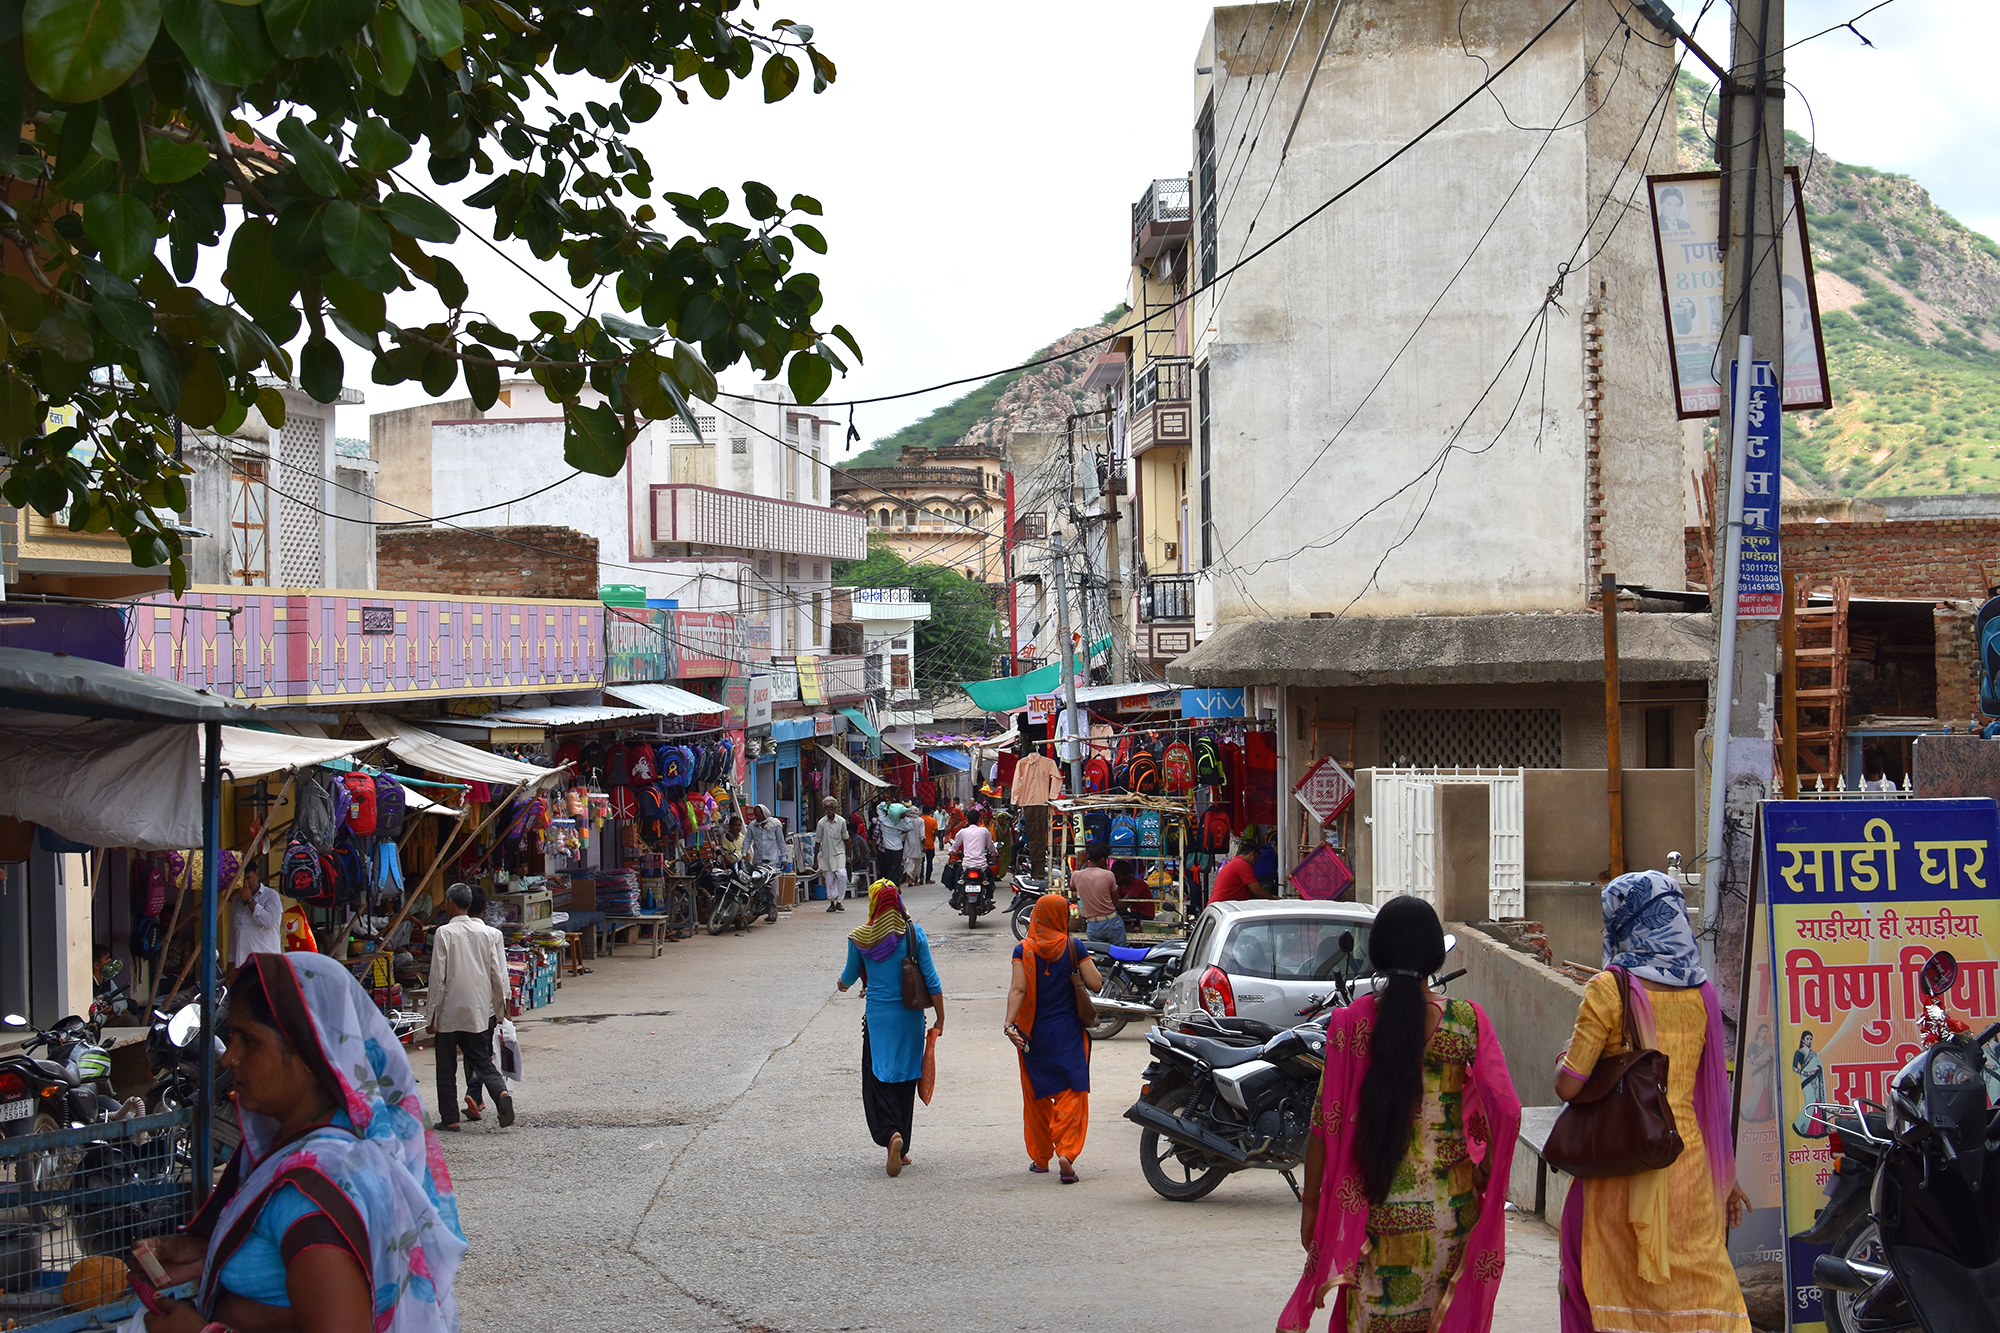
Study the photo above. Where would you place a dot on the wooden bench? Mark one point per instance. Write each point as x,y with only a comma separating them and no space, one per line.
647,930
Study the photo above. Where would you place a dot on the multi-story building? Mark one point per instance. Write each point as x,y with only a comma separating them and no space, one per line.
944,506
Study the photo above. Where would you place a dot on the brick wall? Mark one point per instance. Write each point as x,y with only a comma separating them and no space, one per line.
522,561
1950,562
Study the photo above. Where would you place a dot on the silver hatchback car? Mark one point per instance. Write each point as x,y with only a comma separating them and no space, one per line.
1266,960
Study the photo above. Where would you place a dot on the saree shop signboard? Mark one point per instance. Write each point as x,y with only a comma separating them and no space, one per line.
1858,895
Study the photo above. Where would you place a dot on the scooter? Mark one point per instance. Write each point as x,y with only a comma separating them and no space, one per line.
1935,1198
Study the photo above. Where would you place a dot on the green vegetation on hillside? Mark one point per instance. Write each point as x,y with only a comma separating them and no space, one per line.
1910,314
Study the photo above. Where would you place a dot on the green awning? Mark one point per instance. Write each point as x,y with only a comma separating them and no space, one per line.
860,719
1006,694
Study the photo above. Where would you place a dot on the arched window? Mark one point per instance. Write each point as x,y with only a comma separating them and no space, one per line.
882,518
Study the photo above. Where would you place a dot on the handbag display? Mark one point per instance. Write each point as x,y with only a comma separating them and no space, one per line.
1621,1123
1086,1012
916,991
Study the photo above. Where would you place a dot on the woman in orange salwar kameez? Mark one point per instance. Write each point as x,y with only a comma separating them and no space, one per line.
1646,1253
1042,1023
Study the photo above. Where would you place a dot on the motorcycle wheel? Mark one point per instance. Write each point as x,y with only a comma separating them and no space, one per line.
1115,988
48,1169
1859,1242
1159,1162
721,914
1021,919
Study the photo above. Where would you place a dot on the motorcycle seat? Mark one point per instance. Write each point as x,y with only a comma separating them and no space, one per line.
1216,1054
1116,951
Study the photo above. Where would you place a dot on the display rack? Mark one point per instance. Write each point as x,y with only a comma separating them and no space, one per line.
1176,815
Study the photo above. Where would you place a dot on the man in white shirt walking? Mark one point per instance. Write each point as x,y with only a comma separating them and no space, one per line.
468,996
256,918
830,847
890,831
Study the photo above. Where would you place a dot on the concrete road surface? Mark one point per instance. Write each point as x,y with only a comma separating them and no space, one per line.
691,1155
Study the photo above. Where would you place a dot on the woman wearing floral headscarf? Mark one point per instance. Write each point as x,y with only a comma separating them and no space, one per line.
336,1213
1647,1251
892,1037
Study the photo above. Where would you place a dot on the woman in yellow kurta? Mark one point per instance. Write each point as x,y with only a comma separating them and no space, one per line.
1646,1253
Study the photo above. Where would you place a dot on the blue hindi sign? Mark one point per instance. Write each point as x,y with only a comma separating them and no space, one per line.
1760,586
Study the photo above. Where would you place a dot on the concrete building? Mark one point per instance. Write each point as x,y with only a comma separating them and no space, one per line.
944,506
889,618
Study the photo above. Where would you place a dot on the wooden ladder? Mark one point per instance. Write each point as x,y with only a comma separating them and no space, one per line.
1819,649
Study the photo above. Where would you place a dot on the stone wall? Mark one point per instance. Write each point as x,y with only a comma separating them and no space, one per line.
527,561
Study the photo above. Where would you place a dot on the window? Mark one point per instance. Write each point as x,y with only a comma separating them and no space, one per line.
791,569
1301,948
899,671
815,467
819,570
249,523
791,427
739,444
911,517
1659,738
1472,737
883,517
1204,136
1202,434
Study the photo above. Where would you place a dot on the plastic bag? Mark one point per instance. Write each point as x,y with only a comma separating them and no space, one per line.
507,1050
927,1081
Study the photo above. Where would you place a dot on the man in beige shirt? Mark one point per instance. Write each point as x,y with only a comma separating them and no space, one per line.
468,997
1097,897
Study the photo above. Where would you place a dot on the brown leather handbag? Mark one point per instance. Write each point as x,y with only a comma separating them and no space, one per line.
916,990
1621,1123
1086,1012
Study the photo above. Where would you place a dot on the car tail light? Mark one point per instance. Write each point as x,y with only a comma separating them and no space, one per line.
1217,995
13,1086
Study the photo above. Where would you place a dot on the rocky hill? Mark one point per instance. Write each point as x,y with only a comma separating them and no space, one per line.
1022,400
1910,310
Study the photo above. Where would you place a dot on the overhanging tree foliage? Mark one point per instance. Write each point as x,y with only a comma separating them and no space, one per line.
142,120
960,639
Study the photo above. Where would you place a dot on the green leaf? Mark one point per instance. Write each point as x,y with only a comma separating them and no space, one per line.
262,284
203,394
640,99
362,307
65,337
761,199
439,371
593,439
79,50
21,414
440,21
419,218
320,369
714,203
396,44
125,232
692,372
482,381
548,321
20,305
126,321
233,413
296,238
162,371
356,240
622,327
805,203
121,118
781,75
810,234
809,374
378,148
318,164
450,284
227,42
271,404
168,162
680,403
302,28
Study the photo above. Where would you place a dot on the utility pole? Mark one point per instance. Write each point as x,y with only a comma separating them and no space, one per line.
1075,749
1751,146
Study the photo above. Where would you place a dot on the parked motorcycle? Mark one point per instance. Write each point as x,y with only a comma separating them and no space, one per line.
740,894
972,894
174,1053
1027,889
1231,1095
1135,980
71,1087
1935,1193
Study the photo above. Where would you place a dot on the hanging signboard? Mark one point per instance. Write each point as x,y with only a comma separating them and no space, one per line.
1214,703
1160,701
1687,221
1041,707
809,691
1325,791
1856,896
1760,584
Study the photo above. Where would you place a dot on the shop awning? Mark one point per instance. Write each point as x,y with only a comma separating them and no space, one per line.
666,700
901,749
415,746
951,759
109,784
860,719
574,715
1004,741
1092,694
854,768
82,687
248,753
1004,694
416,803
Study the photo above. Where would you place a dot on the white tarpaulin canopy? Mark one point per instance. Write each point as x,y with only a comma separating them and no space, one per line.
248,753
854,768
416,803
668,700
109,784
438,755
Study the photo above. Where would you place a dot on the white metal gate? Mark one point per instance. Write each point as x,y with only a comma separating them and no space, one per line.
1403,819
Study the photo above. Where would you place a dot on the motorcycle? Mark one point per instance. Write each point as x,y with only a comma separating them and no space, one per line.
1134,982
1936,1172
1026,890
740,895
173,1053
972,894
1240,1099
72,1086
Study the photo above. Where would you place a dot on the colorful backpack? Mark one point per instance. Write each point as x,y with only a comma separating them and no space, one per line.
1216,832
342,799
360,803
1124,834
1097,829
1142,778
673,766
353,868
299,932
389,806
623,804
1178,767
314,818
301,877
617,766
1208,767
1096,775
1149,830
639,764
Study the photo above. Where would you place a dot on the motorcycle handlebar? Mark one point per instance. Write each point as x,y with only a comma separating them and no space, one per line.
1987,1035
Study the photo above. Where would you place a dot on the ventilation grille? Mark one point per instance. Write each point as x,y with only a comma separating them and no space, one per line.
1472,737
302,455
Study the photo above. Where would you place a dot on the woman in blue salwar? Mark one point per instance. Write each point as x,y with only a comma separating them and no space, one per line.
892,1037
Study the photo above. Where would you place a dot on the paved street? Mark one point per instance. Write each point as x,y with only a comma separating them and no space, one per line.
691,1155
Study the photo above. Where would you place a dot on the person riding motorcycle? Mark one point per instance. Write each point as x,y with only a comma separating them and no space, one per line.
971,848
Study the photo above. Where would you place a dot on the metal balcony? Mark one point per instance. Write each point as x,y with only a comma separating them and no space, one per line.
1167,597
1162,405
1161,219
1166,379
705,516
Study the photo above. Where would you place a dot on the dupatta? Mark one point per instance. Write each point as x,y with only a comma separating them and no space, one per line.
1492,1113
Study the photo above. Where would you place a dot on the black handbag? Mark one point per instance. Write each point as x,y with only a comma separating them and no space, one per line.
916,991
1622,1122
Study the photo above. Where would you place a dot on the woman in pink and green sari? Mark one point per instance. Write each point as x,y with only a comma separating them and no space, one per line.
1404,1209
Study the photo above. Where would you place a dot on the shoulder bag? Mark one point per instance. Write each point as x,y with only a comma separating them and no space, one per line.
1621,1123
1086,1012
916,991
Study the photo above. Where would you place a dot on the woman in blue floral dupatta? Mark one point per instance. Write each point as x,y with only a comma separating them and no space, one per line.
336,1213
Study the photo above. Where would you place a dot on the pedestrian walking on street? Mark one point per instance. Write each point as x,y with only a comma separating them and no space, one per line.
830,851
336,1213
1045,1028
767,837
889,835
892,1036
1647,1251
1403,1213
1097,898
930,844
475,1091
468,997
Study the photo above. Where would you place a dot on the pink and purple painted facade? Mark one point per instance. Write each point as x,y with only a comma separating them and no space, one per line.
297,646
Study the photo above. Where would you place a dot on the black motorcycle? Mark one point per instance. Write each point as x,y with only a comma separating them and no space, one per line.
740,894
173,1051
972,893
70,1087
1135,980
1935,1193
1027,889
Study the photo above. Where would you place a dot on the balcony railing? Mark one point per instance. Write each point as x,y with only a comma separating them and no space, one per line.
887,595
706,516
1166,379
1167,597
1161,218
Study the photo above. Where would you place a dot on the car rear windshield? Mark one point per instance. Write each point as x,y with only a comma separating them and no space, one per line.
1296,948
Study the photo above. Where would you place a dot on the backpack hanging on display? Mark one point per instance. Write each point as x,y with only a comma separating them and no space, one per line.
315,815
640,765
1149,831
1208,769
1096,775
360,803
301,877
652,810
1097,829
617,770
353,868
389,806
673,767
593,757
343,800
623,804
1143,777
1216,831
1178,768
1124,835
569,752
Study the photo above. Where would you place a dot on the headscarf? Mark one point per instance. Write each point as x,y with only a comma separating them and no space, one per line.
1646,930
1048,928
882,934
388,1170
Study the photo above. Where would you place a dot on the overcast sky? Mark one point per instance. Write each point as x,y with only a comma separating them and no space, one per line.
978,166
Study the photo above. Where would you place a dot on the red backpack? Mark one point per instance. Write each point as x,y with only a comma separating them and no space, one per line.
1096,775
301,877
1216,831
361,803
639,764
1179,768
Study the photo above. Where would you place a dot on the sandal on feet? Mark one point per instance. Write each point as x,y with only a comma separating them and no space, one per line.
1038,1169
1068,1171
895,1154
